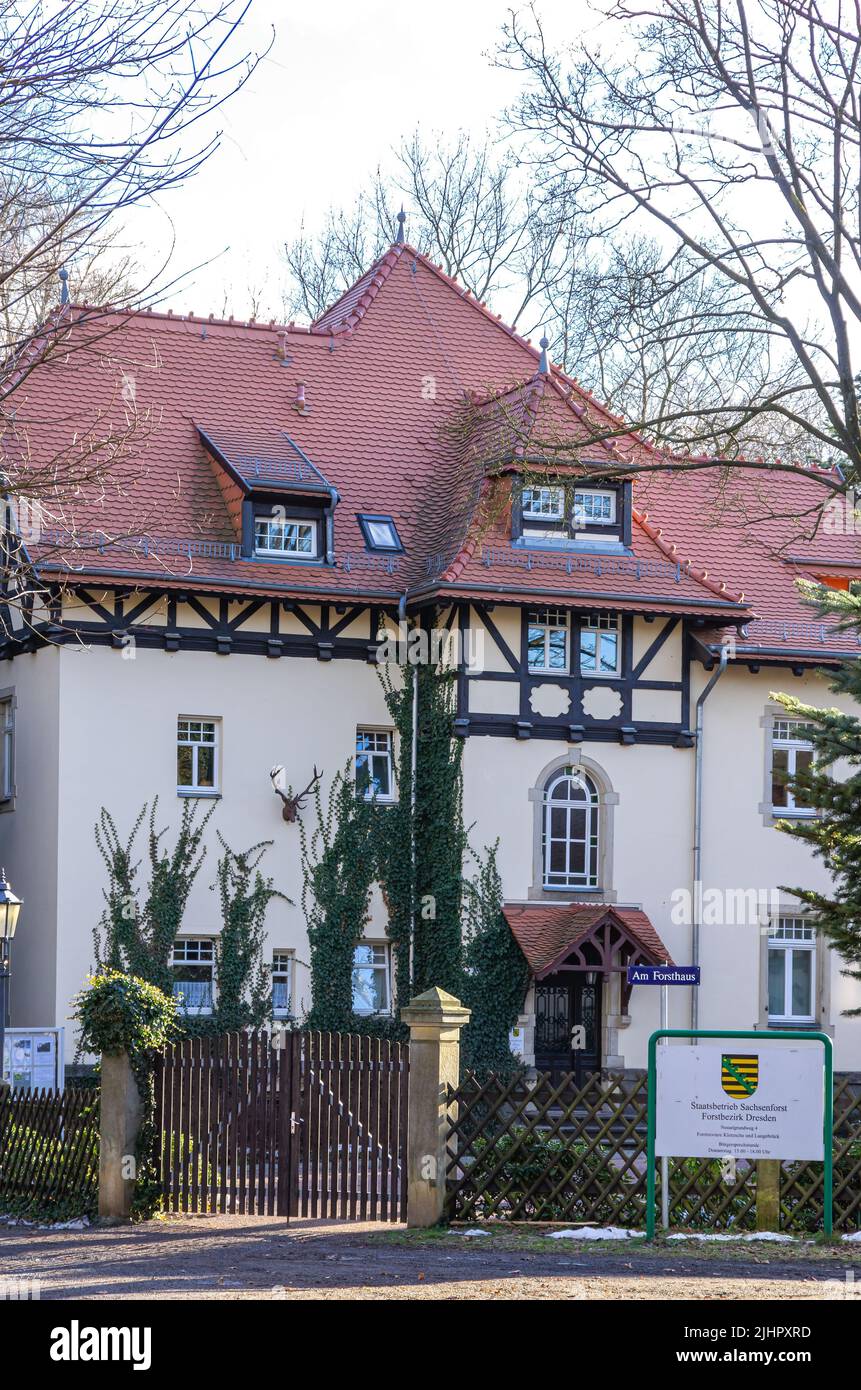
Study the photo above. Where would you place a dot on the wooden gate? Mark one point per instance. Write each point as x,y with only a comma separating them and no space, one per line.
296,1124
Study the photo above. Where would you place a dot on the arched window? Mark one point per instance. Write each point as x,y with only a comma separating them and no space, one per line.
570,831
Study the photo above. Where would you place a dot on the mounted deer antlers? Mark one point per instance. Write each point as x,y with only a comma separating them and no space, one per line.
292,804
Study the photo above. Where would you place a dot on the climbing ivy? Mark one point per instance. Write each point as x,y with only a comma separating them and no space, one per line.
440,836
392,835
422,878
495,974
139,939
455,927
338,866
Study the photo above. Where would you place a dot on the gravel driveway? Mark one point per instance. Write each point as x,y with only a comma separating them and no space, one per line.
231,1257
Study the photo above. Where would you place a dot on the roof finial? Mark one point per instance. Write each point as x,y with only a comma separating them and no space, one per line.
402,217
64,285
543,364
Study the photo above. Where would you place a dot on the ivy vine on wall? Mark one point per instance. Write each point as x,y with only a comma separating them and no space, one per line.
339,869
137,938
444,929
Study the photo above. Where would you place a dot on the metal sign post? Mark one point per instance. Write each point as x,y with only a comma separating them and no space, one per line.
791,1036
664,975
665,1162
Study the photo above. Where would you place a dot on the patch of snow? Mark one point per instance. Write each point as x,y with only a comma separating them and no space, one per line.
732,1235
473,1231
854,1235
595,1233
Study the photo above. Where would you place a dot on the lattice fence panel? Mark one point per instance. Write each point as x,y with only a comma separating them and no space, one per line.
49,1152
559,1149
802,1184
556,1150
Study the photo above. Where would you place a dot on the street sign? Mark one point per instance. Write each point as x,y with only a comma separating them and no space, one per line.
663,974
763,1101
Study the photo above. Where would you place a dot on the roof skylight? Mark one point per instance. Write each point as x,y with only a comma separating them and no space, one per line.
380,533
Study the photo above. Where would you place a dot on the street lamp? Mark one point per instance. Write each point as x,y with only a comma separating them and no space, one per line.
10,906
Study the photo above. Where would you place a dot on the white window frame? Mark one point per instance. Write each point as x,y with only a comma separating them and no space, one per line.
554,880
783,739
550,505
194,788
283,966
791,935
181,944
386,751
7,735
594,492
598,623
280,524
384,965
549,620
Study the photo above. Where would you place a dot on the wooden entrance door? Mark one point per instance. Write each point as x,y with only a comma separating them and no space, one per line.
568,1011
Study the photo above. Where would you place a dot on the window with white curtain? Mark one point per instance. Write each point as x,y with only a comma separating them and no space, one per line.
193,967
282,984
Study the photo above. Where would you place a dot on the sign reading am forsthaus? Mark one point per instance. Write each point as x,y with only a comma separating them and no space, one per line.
750,1095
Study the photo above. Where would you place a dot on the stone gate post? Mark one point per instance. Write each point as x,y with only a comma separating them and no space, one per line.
120,1117
435,1020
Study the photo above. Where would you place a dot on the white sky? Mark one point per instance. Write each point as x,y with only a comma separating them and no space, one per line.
345,80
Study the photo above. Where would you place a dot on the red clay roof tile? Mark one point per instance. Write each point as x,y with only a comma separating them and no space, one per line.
385,371
546,934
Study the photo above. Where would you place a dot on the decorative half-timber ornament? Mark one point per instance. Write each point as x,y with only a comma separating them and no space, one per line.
292,804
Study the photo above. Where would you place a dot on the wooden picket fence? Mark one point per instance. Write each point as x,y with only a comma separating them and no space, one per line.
300,1124
563,1149
49,1152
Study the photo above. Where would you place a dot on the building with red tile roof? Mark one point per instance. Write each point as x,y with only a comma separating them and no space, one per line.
287,493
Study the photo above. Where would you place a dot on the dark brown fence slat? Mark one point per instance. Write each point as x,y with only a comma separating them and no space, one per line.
310,1124
400,1213
270,1101
318,1081
374,1077
294,1044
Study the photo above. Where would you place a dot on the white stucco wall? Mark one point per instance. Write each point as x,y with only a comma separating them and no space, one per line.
28,834
113,721
94,728
653,849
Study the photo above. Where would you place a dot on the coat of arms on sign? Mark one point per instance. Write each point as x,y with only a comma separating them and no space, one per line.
739,1075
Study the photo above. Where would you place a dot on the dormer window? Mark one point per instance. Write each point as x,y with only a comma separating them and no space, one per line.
565,514
285,530
594,507
276,535
380,533
544,503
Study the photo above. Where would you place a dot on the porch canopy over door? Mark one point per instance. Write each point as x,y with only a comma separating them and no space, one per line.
585,937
